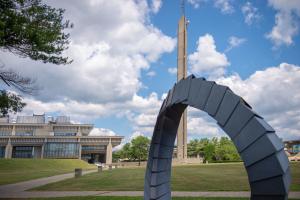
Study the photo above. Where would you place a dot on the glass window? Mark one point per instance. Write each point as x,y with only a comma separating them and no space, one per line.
2,151
22,152
296,148
93,148
24,133
5,133
61,150
64,134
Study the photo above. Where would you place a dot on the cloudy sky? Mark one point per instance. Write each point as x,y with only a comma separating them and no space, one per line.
124,54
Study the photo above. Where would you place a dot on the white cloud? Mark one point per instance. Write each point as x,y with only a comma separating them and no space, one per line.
156,5
109,53
102,132
196,3
250,13
143,113
201,125
286,22
144,119
151,73
225,6
172,70
136,134
119,147
85,112
207,60
274,93
234,41
164,95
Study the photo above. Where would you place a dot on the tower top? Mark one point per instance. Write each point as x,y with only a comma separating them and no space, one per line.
182,7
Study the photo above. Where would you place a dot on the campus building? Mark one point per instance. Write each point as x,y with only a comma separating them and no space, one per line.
292,146
36,137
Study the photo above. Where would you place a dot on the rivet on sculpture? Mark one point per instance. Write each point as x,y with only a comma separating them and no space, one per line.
259,147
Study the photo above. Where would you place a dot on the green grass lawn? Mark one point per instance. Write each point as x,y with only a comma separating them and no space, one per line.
16,170
132,198
211,177
136,198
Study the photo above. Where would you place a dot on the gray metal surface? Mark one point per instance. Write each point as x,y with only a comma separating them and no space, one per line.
260,148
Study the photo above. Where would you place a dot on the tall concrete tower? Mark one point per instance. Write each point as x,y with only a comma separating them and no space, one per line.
182,73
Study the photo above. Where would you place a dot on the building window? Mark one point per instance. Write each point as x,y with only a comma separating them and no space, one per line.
5,133
2,152
24,133
296,148
93,148
64,134
22,152
61,150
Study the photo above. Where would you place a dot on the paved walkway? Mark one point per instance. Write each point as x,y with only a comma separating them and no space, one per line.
18,190
21,187
30,194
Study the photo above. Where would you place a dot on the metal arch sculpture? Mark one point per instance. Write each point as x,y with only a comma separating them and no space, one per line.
259,147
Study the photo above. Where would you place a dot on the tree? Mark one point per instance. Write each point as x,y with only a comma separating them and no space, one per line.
214,149
200,147
140,148
192,148
29,28
116,155
10,102
209,152
225,150
126,151
11,78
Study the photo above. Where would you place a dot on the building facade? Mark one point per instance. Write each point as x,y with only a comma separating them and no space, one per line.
34,137
292,146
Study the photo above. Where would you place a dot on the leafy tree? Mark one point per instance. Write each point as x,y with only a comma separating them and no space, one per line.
29,28
116,155
11,78
10,102
192,148
137,149
225,150
126,151
140,148
214,149
196,147
209,152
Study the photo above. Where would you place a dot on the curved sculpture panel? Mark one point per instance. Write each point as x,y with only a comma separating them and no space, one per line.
259,147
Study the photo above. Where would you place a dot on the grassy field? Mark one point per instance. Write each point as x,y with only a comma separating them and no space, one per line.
16,170
135,198
132,198
211,177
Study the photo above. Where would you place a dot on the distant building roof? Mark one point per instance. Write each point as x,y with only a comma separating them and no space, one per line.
4,119
35,119
62,120
292,141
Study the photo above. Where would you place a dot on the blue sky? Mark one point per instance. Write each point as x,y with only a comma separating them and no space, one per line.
125,51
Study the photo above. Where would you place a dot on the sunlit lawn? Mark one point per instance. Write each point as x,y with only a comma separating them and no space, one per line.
16,170
137,198
211,177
